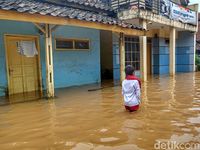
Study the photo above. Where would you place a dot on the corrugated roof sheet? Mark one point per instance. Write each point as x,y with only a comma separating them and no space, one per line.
44,8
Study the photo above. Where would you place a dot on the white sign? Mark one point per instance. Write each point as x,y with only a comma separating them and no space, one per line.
183,14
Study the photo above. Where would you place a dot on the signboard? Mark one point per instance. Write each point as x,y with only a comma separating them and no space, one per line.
182,14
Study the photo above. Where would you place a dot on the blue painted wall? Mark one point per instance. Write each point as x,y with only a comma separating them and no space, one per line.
185,52
116,57
160,51
70,67
155,53
77,67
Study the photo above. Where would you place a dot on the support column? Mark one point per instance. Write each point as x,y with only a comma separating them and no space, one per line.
195,47
122,57
49,62
172,54
143,53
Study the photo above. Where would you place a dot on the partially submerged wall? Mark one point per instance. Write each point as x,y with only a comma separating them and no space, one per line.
160,52
77,67
185,52
71,67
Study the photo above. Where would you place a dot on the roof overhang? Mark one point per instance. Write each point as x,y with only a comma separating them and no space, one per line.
128,15
38,18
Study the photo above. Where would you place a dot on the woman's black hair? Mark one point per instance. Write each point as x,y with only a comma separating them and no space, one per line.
129,70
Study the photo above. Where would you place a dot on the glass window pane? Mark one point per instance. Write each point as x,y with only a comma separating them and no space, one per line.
126,47
80,44
137,47
129,47
137,58
133,46
128,56
64,44
133,56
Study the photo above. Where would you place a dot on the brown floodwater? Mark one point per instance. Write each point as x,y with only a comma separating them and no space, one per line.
79,119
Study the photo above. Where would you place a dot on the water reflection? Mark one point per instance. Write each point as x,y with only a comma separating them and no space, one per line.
82,120
21,98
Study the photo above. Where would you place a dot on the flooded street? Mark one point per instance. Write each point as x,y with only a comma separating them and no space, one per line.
79,119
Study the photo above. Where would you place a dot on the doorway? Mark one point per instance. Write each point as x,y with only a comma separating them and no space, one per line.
23,72
106,56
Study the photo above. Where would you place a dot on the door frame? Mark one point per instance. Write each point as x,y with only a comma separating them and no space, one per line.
39,59
149,55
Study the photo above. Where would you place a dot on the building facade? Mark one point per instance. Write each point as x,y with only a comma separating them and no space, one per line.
47,44
169,45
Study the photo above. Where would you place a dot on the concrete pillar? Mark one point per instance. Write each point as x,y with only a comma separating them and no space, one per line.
172,51
49,62
143,52
122,57
195,36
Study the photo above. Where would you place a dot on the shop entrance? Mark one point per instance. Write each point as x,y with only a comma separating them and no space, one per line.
106,56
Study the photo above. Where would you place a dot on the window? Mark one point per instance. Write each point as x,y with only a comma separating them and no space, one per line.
64,44
81,44
132,52
72,44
